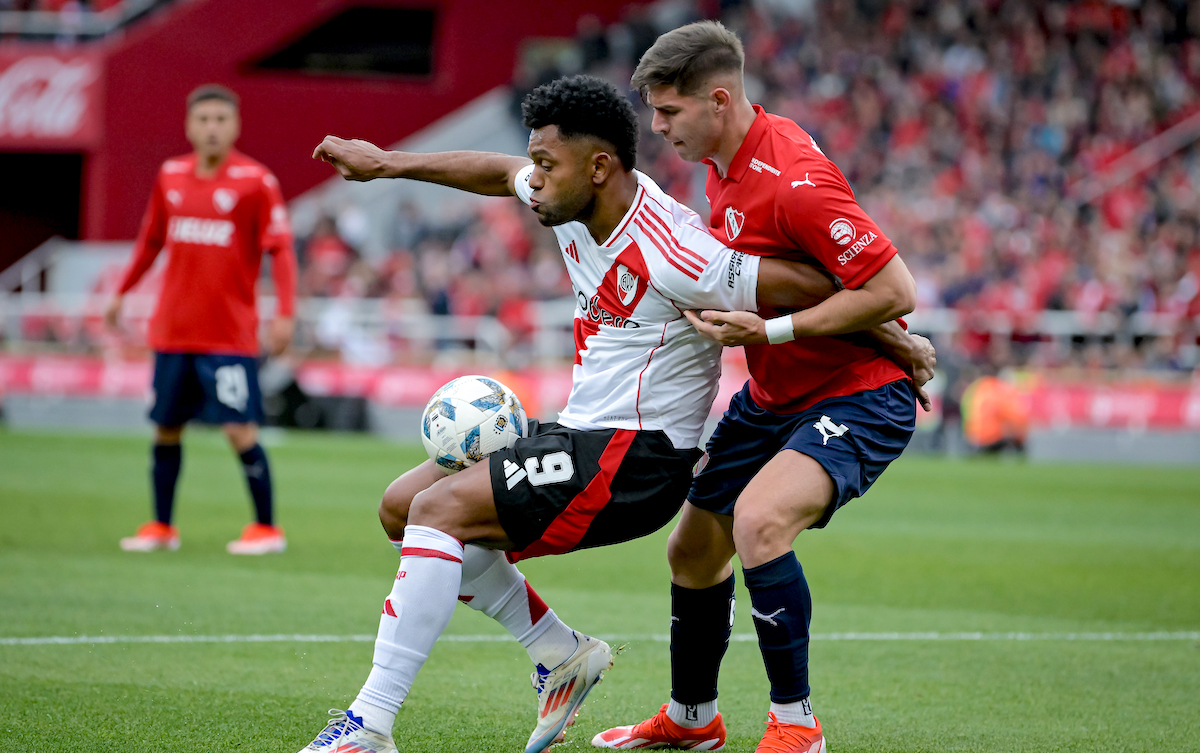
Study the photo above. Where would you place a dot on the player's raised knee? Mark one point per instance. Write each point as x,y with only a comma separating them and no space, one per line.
448,506
393,508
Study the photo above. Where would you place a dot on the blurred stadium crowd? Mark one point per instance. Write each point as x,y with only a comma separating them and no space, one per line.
971,132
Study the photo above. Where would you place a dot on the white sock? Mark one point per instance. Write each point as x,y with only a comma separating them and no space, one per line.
373,717
692,716
799,712
493,585
414,615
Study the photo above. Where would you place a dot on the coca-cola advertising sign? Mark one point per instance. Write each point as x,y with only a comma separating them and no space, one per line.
49,99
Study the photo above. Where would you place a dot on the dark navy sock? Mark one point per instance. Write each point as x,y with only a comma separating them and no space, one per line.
701,623
258,478
166,461
781,606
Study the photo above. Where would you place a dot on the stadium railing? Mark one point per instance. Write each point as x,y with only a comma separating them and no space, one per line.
71,321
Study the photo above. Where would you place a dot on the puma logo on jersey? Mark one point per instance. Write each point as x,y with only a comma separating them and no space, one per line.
805,182
767,618
829,430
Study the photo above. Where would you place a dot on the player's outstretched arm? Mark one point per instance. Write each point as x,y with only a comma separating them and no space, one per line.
486,173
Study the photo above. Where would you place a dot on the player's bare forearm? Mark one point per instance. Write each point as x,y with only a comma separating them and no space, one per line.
792,284
889,294
487,173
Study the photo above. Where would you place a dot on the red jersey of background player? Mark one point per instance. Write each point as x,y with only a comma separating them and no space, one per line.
783,197
217,230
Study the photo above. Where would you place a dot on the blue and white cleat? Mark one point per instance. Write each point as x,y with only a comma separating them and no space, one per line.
344,733
561,690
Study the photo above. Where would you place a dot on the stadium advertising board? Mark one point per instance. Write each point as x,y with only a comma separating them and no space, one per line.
1150,405
49,99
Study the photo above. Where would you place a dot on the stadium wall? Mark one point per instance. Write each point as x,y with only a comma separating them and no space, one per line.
135,109
1133,423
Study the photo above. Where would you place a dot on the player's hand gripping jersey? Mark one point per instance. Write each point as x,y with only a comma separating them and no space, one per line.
216,230
639,364
783,197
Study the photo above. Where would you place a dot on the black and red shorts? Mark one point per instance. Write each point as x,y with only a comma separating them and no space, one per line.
561,489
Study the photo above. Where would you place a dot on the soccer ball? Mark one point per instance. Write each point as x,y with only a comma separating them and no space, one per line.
469,418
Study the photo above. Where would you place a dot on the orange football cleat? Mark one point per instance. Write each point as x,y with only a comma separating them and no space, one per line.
660,732
258,539
791,738
152,536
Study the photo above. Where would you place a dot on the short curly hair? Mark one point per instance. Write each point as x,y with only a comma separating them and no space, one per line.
585,106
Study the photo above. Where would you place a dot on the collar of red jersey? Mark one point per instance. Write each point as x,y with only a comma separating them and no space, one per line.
232,158
745,153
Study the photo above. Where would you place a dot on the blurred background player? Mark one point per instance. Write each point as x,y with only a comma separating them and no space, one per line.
995,415
218,212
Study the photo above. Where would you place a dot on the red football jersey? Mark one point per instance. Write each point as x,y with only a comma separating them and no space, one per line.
216,230
784,197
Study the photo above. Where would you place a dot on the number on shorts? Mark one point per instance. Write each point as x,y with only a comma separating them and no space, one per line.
232,387
556,468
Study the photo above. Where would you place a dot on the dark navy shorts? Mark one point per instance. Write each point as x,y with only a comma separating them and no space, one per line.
853,438
215,389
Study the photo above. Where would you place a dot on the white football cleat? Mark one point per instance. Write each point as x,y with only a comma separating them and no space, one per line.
344,733
561,690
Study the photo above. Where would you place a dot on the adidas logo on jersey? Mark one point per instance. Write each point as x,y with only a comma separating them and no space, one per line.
200,231
513,473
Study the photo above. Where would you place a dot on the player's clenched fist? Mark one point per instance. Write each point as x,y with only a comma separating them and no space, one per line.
354,159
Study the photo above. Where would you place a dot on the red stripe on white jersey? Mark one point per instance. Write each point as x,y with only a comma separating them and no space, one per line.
687,252
670,258
671,246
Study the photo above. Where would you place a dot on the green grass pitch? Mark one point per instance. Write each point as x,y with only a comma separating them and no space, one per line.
939,547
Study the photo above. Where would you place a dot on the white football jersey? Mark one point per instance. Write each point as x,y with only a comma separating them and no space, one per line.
639,363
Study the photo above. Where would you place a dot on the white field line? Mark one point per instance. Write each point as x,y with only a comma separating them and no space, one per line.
661,638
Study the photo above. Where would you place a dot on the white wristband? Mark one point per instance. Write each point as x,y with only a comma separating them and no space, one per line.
780,330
